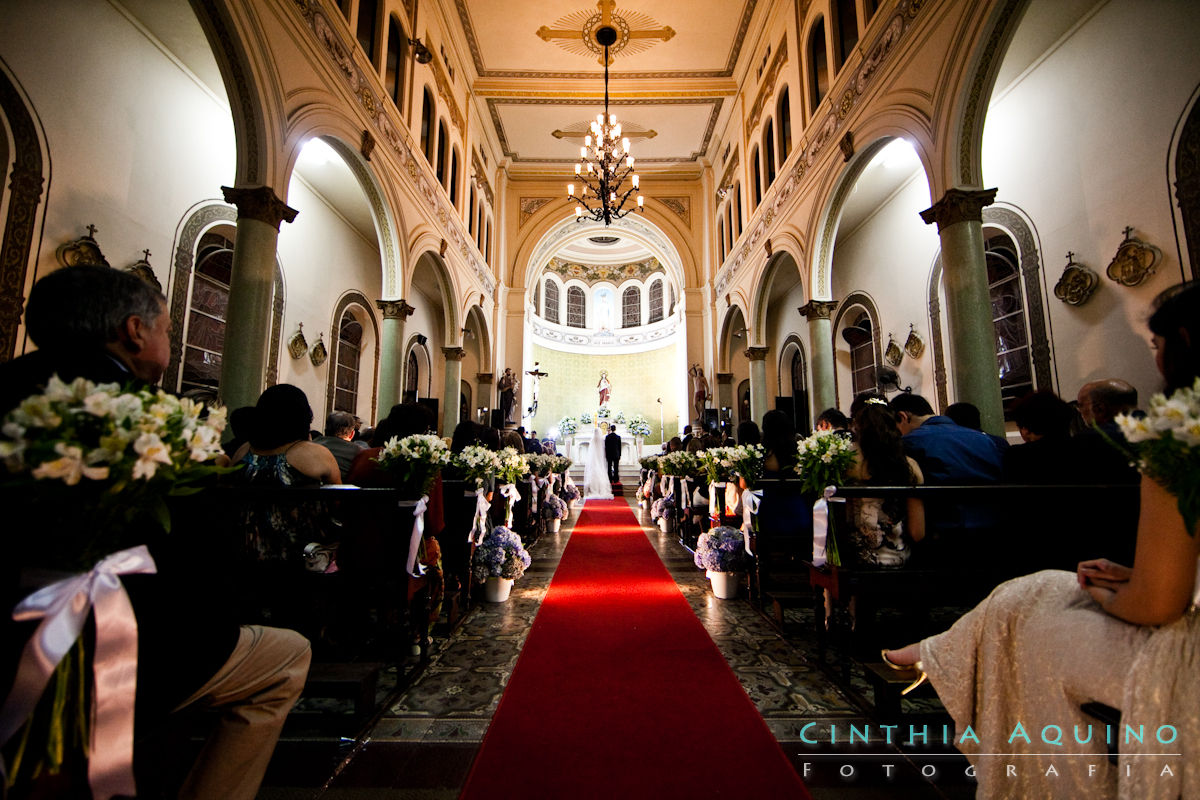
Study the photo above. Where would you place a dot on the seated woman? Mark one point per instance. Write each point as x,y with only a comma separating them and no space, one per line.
279,453
779,445
878,525
1023,661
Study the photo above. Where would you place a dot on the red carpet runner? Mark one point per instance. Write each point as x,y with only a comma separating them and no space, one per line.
620,691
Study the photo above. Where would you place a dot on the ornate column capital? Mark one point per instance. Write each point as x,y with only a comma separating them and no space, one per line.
724,377
818,309
959,205
259,203
395,309
454,353
757,353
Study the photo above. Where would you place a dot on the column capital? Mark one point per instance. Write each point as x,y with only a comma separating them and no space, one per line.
484,377
724,377
259,203
959,205
454,353
818,309
395,309
757,353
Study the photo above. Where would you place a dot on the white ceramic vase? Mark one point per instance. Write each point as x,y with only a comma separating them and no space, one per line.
496,590
555,524
724,584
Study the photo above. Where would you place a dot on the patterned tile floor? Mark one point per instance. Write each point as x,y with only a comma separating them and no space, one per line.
423,744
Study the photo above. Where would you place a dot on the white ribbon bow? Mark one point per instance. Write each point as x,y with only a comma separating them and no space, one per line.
479,525
63,609
750,502
714,502
509,491
418,532
821,525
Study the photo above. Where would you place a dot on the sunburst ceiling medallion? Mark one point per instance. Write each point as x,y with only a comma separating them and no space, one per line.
576,32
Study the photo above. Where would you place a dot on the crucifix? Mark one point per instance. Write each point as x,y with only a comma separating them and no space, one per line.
605,19
535,376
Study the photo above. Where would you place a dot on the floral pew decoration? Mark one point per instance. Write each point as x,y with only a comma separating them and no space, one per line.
721,553
554,508
717,463
478,465
512,468
645,490
499,559
747,462
95,464
823,462
415,462
569,491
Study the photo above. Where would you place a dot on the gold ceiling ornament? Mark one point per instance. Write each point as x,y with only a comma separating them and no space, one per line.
633,32
579,130
605,161
298,345
1134,262
1077,283
913,344
318,354
893,354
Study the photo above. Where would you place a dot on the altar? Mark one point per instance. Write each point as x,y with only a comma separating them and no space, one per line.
581,443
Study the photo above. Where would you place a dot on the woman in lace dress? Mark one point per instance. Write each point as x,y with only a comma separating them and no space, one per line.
1014,670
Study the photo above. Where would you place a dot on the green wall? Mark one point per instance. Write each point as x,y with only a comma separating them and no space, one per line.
638,379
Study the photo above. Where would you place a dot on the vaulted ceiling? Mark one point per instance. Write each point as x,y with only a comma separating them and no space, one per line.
540,82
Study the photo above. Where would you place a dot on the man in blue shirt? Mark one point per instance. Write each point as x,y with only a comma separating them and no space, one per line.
949,454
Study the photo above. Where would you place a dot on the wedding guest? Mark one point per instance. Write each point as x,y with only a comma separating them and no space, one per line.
779,444
831,420
748,432
107,325
967,415
339,439
1041,645
883,529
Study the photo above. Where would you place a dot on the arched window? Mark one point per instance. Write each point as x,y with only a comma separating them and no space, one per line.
756,169
397,57
471,213
537,296
737,210
1008,316
550,310
205,344
443,145
427,125
349,354
576,314
818,66
656,301
768,148
799,392
862,355
721,235
846,24
487,245
731,236
454,177
631,307
412,378
783,113
368,11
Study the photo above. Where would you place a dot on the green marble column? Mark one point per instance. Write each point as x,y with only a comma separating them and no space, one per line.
454,358
251,286
820,342
391,353
758,382
971,333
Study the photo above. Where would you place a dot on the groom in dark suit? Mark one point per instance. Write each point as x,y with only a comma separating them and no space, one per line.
612,454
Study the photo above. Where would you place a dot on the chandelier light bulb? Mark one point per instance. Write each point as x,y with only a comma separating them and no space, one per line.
587,141
625,144
616,131
641,202
613,197
578,211
599,120
578,167
635,180
612,119
629,161
590,168
571,189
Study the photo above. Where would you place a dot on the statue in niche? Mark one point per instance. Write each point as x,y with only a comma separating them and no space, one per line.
507,385
700,392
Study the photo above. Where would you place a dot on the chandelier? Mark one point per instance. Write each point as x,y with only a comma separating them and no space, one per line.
605,161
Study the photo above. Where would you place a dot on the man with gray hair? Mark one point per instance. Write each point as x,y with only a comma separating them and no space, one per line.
1101,401
339,439
109,326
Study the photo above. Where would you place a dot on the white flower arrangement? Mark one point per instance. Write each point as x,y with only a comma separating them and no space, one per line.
512,466
823,459
414,460
620,418
603,413
1167,445
585,418
567,426
132,449
639,425
477,463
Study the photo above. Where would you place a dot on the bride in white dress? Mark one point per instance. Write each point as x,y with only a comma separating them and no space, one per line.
595,471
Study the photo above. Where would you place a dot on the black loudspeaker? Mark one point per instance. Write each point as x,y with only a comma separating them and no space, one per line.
788,406
432,404
497,419
712,422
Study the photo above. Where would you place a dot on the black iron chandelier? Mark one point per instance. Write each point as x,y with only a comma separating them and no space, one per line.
605,162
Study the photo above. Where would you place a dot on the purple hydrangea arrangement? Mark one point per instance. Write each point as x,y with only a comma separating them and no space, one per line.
554,507
501,555
570,492
721,550
662,507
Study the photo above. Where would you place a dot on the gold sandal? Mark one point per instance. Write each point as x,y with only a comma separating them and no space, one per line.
917,669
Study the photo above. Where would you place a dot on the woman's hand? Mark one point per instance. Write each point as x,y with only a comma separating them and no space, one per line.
1103,574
